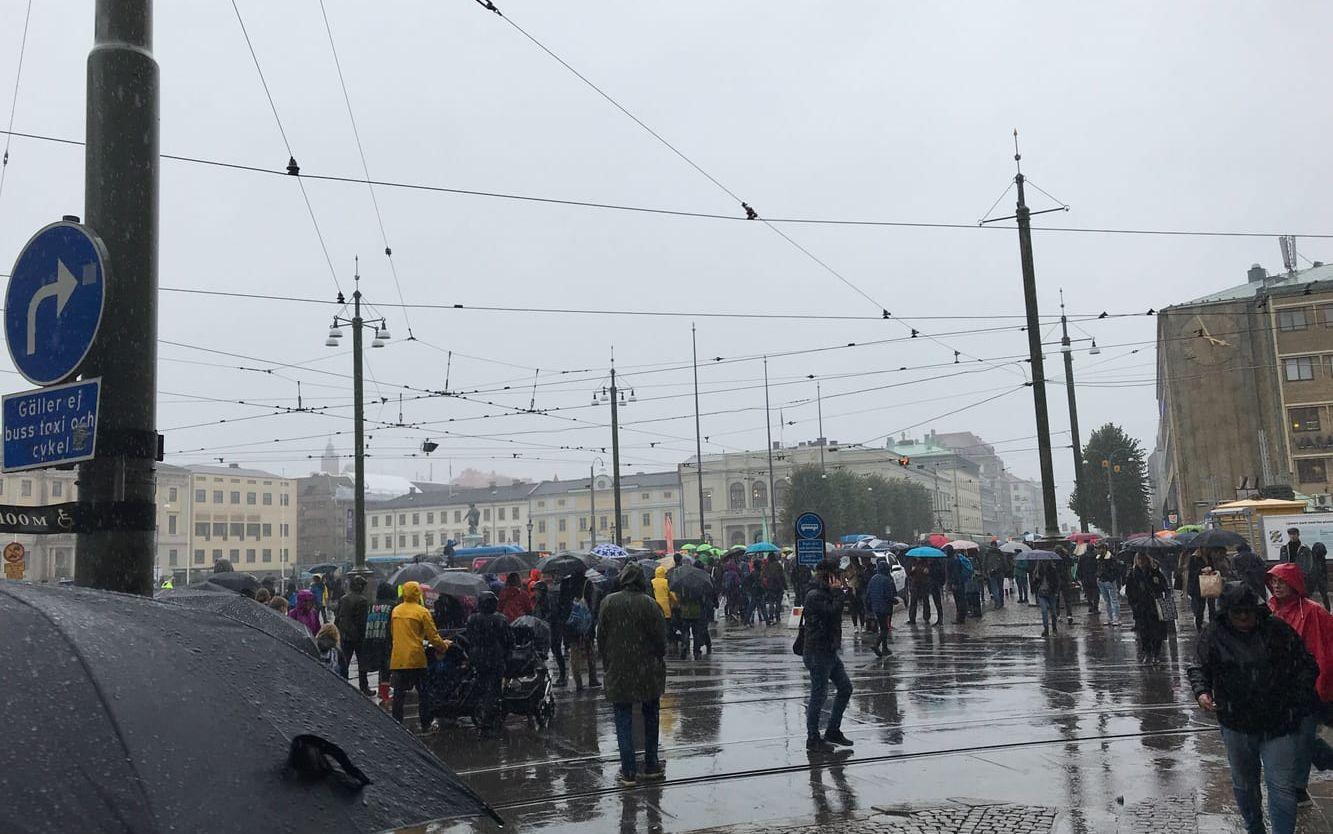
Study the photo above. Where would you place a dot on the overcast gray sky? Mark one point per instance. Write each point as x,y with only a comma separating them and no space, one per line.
1184,115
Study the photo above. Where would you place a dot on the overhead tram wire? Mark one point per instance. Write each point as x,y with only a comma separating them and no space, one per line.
292,168
14,102
704,215
365,167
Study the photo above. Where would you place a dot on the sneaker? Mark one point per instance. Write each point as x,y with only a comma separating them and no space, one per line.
875,648
594,684
1045,632
1070,621
815,743
1303,799
625,781
655,774
836,737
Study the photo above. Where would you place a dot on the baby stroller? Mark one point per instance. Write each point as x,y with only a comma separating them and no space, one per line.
451,686
527,689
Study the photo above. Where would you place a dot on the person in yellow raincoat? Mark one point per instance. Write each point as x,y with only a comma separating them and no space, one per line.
410,625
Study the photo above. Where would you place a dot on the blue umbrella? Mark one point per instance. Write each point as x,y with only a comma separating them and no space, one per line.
610,551
762,547
925,553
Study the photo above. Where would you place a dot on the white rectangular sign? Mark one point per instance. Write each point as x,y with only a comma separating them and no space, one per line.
1314,527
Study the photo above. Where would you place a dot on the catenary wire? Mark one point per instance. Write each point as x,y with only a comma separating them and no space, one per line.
14,102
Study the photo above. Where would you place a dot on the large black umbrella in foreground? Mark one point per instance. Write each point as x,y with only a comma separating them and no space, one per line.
230,581
244,610
1217,537
142,716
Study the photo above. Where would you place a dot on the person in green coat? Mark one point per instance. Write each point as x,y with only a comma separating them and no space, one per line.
631,638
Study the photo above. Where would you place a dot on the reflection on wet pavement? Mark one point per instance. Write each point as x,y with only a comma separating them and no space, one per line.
987,710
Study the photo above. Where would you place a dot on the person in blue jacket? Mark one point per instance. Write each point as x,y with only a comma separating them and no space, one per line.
880,594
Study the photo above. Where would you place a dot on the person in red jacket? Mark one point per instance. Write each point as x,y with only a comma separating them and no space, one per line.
1315,626
515,601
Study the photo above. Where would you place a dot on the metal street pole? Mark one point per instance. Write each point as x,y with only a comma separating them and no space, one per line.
768,427
1067,349
1110,495
819,405
698,436
615,445
121,206
359,436
1024,217
592,505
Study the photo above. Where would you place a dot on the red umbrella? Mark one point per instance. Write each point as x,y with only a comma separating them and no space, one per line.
1082,538
937,539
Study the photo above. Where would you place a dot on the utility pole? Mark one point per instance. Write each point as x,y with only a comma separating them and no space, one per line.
1110,494
819,405
592,504
768,427
698,436
121,205
1023,215
615,445
1067,349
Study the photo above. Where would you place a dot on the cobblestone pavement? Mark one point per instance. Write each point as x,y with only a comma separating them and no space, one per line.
955,817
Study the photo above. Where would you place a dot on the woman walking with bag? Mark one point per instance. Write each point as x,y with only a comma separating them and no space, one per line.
1206,574
1146,589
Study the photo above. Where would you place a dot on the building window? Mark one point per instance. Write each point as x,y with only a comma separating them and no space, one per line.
284,530
402,540
217,496
252,531
430,518
760,497
514,514
25,489
251,499
268,554
268,530
1311,471
416,519
57,489
601,522
172,495
541,505
624,523
199,557
236,530
200,496
708,500
541,526
561,546
560,502
284,500
374,542
560,525
220,530
171,524
458,516
235,555
1305,419
416,540
647,520
500,536
1326,313
647,496
236,498
1300,368
268,499
583,523
499,513
201,529
736,496
374,521
250,554
1291,319
402,519
171,557
430,540
666,495
486,514
514,535
217,553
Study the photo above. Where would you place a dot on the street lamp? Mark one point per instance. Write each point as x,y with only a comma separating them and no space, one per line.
1110,495
358,408
592,498
1067,348
529,534
616,397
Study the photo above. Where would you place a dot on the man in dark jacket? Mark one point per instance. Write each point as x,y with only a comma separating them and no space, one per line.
823,638
1085,571
939,577
993,566
1250,569
1295,551
1254,671
880,594
918,589
958,574
775,585
351,623
631,639
489,643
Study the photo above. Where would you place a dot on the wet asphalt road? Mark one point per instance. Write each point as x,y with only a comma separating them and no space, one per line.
988,710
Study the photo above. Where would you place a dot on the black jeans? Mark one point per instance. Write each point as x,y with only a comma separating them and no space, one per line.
350,648
403,680
1197,604
960,604
884,624
920,595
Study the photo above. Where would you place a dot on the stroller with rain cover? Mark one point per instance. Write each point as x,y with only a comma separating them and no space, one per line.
527,688
451,685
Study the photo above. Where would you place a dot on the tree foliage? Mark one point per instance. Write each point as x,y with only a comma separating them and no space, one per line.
851,503
1129,485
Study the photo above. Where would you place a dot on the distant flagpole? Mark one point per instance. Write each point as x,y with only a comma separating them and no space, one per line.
698,433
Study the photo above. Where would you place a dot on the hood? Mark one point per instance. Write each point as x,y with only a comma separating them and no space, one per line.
1290,573
412,592
631,577
534,575
487,603
305,598
384,593
660,573
883,567
1239,595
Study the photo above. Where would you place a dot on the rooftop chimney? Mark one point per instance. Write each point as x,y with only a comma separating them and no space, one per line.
1256,274
233,466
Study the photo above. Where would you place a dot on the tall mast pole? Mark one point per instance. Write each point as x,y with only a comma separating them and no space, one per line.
698,433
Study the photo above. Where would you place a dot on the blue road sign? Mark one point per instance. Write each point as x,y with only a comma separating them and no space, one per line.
50,426
53,306
809,526
809,552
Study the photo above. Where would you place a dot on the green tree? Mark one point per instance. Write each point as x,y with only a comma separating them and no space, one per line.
852,503
1128,468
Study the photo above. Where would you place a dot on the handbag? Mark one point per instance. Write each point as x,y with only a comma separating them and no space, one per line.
798,645
1210,584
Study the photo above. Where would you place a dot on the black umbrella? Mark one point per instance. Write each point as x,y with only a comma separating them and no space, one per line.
506,563
565,564
228,581
649,567
156,700
1150,544
325,568
1217,537
415,572
691,584
243,610
457,583
605,564
1186,540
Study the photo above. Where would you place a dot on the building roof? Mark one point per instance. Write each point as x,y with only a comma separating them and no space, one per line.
234,472
1281,281
459,497
639,480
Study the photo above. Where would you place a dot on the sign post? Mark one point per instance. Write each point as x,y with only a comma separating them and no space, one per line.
809,539
14,561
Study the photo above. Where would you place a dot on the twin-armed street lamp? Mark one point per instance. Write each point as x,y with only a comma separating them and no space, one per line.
1111,466
358,408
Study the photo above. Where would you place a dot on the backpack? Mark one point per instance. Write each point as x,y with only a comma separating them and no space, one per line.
965,567
580,618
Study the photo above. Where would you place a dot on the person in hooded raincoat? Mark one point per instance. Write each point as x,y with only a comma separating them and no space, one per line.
306,613
350,619
489,643
514,600
410,625
1146,588
1249,567
1253,671
1315,626
880,594
666,600
631,639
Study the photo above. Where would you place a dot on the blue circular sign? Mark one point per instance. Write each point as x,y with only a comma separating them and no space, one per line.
809,526
53,306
